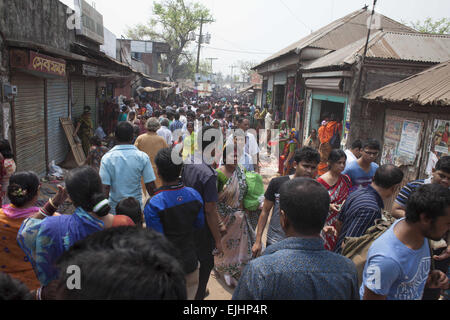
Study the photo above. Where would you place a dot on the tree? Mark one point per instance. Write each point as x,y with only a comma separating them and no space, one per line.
441,26
245,68
172,22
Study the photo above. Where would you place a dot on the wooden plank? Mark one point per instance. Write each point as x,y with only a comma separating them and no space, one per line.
75,145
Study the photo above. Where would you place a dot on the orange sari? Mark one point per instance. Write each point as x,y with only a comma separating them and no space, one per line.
325,134
13,260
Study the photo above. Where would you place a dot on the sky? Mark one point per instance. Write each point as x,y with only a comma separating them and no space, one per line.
252,30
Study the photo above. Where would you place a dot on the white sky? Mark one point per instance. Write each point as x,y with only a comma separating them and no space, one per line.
263,27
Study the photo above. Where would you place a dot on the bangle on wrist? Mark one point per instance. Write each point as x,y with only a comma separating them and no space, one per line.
52,204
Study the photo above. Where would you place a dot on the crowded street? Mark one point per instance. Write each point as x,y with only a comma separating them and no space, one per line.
135,166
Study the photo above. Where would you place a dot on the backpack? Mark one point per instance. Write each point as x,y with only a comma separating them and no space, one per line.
335,141
356,248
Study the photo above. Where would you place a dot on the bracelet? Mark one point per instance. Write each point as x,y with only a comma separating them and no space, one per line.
51,203
41,211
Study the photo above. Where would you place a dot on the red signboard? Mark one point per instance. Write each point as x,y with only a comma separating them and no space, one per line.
46,64
37,63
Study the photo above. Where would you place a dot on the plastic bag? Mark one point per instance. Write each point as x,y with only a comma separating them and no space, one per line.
55,170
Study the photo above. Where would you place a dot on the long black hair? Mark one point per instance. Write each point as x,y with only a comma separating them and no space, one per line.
84,187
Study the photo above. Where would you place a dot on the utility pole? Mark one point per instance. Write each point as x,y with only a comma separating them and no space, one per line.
232,68
199,44
211,61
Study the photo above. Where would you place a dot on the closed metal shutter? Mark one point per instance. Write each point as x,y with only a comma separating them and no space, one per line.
57,107
90,90
29,123
77,97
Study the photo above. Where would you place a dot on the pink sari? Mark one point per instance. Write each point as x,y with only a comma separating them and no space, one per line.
338,194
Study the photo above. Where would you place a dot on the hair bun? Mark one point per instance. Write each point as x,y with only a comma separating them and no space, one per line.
100,205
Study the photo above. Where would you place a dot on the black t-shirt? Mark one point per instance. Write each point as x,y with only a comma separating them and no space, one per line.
275,233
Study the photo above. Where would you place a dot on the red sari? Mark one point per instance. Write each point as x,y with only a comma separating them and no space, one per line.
338,194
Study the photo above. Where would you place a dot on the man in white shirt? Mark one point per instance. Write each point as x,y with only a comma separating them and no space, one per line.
251,149
165,132
354,153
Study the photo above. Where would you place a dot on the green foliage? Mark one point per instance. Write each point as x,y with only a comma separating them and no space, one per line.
441,26
172,21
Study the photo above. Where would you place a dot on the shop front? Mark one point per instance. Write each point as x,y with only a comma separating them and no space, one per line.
42,85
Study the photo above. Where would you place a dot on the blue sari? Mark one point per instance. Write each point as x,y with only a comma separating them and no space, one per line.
44,241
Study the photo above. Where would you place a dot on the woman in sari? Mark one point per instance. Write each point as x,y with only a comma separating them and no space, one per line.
338,186
236,243
44,236
84,129
284,138
288,153
326,131
23,192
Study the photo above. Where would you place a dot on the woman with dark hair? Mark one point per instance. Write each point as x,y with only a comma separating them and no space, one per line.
23,191
338,186
44,237
237,242
8,167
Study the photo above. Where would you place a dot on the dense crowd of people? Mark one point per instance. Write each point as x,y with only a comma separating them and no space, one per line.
147,226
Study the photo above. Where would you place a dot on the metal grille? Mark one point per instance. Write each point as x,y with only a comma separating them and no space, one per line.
29,123
57,104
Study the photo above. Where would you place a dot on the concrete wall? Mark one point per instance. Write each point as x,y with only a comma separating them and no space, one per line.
41,21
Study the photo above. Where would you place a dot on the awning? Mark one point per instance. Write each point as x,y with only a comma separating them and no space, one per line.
335,84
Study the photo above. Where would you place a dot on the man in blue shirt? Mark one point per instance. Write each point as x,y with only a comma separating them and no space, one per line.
361,171
177,212
299,267
176,124
123,167
398,262
364,206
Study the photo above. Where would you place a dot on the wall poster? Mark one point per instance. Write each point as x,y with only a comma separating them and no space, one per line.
401,140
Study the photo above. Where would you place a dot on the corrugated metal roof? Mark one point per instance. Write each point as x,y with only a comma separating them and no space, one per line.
340,33
430,87
403,46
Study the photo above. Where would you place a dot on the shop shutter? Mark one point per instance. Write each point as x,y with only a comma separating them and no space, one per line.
77,97
90,87
57,107
29,123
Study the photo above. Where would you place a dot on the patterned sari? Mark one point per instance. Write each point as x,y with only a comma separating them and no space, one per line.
236,242
338,194
43,241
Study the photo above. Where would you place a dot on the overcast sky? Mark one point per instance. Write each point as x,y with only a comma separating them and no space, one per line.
252,30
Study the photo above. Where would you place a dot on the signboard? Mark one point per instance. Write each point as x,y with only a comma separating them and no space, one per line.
142,46
38,63
91,22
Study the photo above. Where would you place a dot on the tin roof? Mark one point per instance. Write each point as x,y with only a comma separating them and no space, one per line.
430,87
340,33
416,47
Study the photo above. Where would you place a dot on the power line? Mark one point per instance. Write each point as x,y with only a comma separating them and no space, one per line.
238,51
292,13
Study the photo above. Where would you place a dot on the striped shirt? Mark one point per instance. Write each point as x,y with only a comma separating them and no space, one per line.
407,190
359,213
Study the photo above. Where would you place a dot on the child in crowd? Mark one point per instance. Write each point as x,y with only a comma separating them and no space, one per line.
132,208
